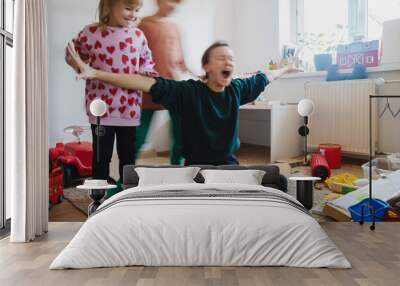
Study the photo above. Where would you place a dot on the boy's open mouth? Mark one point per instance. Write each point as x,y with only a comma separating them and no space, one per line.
226,73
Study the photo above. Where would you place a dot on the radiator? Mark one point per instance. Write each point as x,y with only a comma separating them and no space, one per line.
341,114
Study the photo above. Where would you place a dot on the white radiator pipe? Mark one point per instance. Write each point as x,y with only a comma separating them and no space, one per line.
380,81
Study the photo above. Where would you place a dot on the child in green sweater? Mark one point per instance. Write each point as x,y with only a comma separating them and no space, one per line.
209,109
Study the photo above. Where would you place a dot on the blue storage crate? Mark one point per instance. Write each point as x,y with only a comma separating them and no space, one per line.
379,206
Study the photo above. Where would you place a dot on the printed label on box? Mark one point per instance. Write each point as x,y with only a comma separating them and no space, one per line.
366,53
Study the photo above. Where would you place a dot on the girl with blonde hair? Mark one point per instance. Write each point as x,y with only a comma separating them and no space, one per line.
114,45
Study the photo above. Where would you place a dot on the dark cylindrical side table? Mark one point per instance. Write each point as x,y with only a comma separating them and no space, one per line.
96,190
96,195
304,190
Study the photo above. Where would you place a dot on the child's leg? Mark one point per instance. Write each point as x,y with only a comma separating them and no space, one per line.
101,169
143,129
125,147
176,138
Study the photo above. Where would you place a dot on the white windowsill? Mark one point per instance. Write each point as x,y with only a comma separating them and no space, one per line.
258,106
383,68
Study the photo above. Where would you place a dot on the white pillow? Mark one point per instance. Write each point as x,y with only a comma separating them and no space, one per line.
166,176
248,177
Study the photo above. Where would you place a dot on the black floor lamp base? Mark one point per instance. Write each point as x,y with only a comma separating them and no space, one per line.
304,131
372,211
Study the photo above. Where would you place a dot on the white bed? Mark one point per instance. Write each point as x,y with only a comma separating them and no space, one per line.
185,230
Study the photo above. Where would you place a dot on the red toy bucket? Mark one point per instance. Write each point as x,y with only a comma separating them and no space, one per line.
332,153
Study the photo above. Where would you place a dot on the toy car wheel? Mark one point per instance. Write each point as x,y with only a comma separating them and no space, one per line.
61,198
69,173
50,205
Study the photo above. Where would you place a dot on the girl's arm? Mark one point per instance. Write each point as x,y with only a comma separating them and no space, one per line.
133,81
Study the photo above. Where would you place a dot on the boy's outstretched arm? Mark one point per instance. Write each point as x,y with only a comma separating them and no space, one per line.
275,74
133,81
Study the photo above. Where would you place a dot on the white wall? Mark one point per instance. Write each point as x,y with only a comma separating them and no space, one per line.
66,95
255,33
224,21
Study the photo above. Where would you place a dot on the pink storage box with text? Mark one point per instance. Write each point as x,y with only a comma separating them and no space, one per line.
366,53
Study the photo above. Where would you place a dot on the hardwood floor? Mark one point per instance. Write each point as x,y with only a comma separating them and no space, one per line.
375,257
66,211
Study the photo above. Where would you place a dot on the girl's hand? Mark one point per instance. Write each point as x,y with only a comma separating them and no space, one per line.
85,71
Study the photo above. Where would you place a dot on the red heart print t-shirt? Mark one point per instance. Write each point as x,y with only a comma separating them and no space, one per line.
116,50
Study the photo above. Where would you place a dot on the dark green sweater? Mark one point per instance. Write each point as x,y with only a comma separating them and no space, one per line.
209,119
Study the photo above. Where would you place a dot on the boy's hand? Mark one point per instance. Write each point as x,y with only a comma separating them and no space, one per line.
69,61
84,70
291,66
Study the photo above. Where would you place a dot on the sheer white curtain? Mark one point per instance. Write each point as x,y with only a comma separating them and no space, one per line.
26,119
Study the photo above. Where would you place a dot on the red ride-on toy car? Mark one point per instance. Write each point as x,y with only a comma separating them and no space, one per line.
76,160
56,188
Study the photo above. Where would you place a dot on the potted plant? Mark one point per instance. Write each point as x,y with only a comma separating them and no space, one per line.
322,46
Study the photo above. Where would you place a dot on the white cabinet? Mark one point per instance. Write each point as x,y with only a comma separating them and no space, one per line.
275,126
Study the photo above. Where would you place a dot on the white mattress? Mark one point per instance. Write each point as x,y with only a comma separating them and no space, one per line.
205,231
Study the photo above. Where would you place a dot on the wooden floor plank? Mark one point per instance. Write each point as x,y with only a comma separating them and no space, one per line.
375,257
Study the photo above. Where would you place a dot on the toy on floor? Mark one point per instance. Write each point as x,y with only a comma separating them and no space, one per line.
386,189
392,214
332,154
320,167
361,211
361,182
380,168
56,188
76,158
329,197
342,183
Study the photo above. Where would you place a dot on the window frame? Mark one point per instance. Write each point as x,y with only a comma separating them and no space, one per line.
357,18
6,39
